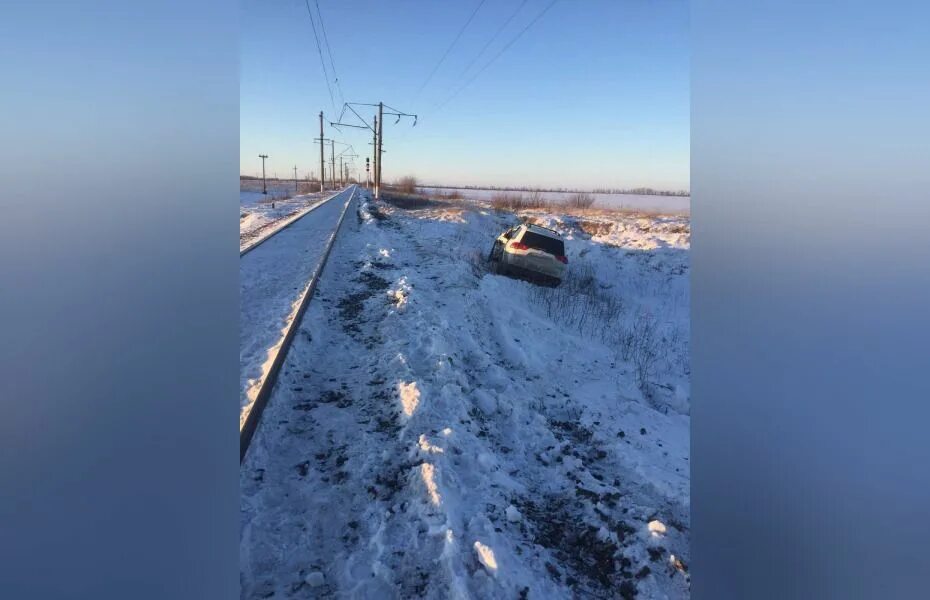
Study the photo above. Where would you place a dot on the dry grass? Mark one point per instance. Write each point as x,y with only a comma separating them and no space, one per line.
512,202
580,203
451,195
581,303
308,187
409,201
576,205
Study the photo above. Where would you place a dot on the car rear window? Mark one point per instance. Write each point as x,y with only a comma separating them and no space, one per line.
544,243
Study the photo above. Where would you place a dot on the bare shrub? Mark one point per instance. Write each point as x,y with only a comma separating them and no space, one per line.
510,202
406,185
504,201
580,201
535,200
639,346
580,302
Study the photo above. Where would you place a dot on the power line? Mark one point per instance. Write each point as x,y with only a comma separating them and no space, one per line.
499,53
319,50
494,37
329,50
449,49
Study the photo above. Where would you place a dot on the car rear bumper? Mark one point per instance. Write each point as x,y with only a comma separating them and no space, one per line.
533,264
533,275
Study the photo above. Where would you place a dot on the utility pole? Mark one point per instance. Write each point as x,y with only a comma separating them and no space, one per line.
374,154
332,159
296,189
377,129
380,144
264,189
344,159
322,166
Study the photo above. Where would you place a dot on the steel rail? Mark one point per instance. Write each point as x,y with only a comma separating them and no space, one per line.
250,423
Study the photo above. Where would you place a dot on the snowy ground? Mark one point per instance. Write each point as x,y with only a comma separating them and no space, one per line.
669,204
439,431
260,215
272,278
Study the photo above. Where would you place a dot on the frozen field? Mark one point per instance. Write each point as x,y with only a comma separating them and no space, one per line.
250,191
438,431
668,204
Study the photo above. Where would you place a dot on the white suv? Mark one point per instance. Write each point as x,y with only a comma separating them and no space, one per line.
530,251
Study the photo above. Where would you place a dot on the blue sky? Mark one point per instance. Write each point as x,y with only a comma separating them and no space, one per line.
595,94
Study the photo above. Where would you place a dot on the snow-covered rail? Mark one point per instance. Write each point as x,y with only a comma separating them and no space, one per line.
251,412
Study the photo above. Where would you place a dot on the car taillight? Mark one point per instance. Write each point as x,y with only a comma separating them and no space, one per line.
563,259
518,246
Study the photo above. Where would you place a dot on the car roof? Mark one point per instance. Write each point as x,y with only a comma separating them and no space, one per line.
542,230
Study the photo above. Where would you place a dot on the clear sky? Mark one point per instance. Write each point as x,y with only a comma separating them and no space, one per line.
594,94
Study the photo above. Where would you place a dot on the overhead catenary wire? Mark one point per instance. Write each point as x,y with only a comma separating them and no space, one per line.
319,50
449,49
329,51
498,55
494,37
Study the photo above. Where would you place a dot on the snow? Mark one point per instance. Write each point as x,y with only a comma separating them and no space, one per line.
440,431
486,557
657,528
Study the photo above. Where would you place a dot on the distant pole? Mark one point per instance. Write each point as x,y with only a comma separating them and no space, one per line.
263,157
380,145
374,154
342,180
322,166
296,189
332,159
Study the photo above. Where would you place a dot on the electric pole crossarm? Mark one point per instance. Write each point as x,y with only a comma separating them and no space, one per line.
337,125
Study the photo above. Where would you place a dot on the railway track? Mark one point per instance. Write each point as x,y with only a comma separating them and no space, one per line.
287,222
250,415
